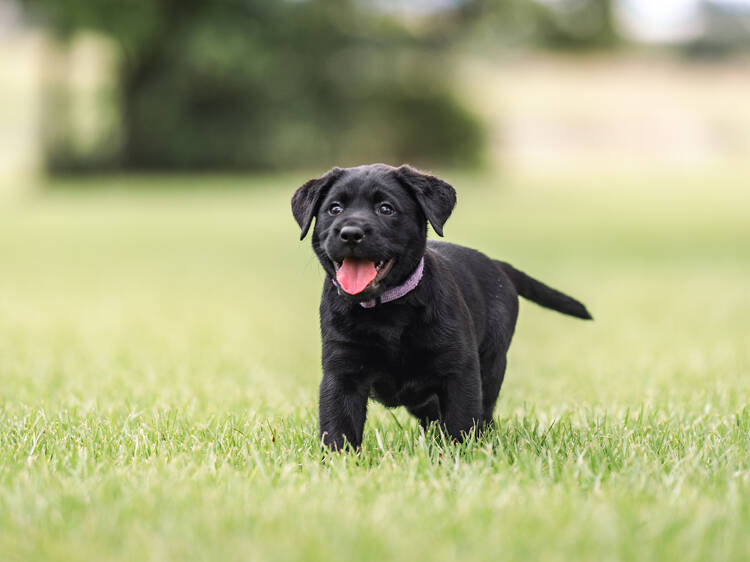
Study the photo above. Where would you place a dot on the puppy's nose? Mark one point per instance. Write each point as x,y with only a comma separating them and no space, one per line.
352,234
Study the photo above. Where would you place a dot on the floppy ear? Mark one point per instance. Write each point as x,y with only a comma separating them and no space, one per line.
436,197
306,199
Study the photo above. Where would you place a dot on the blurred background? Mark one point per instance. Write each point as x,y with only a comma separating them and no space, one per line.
252,85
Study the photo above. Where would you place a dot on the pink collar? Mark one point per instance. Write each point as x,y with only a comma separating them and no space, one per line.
395,292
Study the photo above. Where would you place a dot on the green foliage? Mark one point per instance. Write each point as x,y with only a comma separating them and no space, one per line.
274,84
571,25
577,24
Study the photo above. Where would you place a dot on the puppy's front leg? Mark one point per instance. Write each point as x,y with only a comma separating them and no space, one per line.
461,402
342,409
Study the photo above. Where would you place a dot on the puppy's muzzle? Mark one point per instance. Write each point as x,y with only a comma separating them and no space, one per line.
352,235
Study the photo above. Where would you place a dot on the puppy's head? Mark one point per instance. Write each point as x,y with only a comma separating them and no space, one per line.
371,223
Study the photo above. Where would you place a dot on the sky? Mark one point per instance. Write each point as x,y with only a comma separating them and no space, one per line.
660,20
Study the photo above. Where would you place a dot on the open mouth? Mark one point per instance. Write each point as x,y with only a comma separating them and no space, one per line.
354,275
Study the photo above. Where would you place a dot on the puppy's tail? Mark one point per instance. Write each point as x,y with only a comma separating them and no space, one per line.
538,292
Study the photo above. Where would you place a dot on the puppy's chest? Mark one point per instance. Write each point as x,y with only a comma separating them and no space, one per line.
406,379
401,354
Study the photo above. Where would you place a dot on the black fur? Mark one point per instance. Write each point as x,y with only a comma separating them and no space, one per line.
441,349
538,292
306,199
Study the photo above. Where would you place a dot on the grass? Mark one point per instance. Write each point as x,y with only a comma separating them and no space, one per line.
159,361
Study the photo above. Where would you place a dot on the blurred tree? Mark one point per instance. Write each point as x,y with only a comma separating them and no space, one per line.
272,83
576,24
552,24
725,30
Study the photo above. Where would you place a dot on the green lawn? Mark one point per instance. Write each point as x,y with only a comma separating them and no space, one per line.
159,362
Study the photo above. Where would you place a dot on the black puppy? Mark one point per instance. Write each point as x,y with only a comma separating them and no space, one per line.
406,321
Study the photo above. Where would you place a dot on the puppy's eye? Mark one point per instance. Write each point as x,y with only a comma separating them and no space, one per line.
385,209
335,209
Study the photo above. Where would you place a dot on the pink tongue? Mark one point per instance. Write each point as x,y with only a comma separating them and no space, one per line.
355,274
